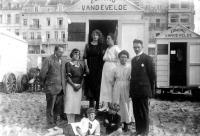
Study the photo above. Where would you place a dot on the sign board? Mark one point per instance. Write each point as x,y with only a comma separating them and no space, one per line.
178,32
103,5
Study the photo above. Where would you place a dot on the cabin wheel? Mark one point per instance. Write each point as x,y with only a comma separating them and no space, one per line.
9,83
22,83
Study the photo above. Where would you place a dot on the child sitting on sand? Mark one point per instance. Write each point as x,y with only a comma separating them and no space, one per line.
86,127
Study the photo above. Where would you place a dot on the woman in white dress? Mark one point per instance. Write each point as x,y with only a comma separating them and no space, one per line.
111,59
121,79
73,94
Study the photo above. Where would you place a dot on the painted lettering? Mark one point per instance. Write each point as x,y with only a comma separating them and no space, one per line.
93,1
178,35
104,7
178,30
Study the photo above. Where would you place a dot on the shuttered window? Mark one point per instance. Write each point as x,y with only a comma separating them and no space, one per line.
162,49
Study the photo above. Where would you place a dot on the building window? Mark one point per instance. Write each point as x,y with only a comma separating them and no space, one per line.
185,19
39,35
162,49
47,35
63,35
56,35
76,32
60,21
34,49
185,4
32,35
17,31
157,34
36,23
174,19
174,5
24,35
36,8
17,19
60,7
157,22
8,19
1,21
25,22
48,22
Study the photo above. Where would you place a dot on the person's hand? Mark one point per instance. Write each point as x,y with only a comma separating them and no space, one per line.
106,121
77,87
112,124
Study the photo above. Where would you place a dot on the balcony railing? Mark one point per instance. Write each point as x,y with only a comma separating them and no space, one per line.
154,26
54,41
35,26
59,26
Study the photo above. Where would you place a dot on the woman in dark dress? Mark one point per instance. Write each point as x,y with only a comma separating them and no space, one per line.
74,75
93,57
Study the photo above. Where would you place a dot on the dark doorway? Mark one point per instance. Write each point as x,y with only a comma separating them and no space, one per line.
105,26
178,55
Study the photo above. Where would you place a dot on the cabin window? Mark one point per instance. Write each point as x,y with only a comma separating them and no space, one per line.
34,49
162,49
76,32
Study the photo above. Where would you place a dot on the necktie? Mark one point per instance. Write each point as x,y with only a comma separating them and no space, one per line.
137,58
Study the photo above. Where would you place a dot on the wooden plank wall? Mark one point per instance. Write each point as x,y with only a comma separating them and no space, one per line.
162,68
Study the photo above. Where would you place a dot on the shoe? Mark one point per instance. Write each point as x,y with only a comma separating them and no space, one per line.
52,125
135,134
125,128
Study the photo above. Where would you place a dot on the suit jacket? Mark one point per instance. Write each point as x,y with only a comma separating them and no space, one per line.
52,75
142,83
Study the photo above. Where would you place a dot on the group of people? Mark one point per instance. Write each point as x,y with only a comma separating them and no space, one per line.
108,80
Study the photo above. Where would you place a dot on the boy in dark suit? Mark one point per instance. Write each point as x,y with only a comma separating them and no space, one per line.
141,87
112,120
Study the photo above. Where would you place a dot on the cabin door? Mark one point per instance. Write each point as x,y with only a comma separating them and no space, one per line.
105,26
178,52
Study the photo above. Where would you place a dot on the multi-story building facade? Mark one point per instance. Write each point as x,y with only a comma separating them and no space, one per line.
181,12
44,23
10,16
163,15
